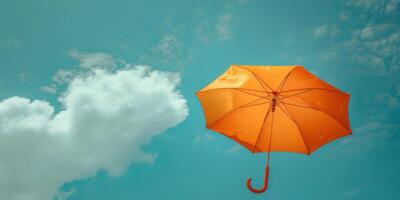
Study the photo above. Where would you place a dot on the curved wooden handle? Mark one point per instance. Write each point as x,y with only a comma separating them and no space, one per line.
264,188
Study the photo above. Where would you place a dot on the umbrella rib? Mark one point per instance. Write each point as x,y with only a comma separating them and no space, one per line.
228,113
205,98
308,89
262,126
251,93
284,80
240,90
232,88
245,106
333,118
297,126
299,105
258,79
302,92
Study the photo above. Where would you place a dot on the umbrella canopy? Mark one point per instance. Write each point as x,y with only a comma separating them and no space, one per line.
275,108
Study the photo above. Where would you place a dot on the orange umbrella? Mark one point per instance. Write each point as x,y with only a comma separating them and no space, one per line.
275,108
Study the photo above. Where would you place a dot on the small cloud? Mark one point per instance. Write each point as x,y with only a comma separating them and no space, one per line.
369,188
233,149
373,30
392,101
326,31
202,31
91,60
25,78
203,137
363,3
65,195
169,52
170,47
368,136
328,56
377,46
49,89
63,76
385,7
392,6
224,26
221,26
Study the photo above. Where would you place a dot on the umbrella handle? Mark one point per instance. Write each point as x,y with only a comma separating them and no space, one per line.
265,183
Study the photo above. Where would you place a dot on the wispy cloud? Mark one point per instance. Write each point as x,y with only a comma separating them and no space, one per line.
221,26
368,187
386,7
390,100
170,49
374,44
233,149
203,137
326,31
52,89
93,60
25,78
368,136
87,61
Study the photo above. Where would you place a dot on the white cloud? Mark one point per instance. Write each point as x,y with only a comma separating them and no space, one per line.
363,3
368,136
233,149
203,137
90,60
392,101
170,47
169,52
223,27
386,7
371,31
326,30
63,76
372,188
49,89
25,78
106,117
392,6
377,47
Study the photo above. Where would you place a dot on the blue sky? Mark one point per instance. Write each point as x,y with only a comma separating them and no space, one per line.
352,44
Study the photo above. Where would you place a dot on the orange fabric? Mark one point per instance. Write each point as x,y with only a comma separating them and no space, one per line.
275,108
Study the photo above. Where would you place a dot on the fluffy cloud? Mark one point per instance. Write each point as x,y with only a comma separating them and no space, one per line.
106,117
